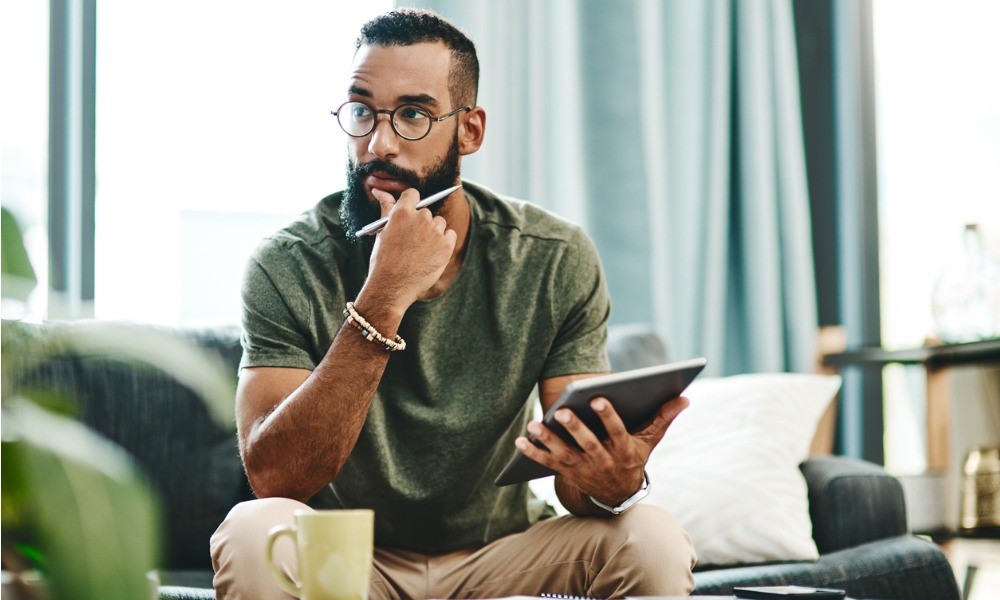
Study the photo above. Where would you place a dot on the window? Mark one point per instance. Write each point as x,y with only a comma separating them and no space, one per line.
938,107
24,63
213,130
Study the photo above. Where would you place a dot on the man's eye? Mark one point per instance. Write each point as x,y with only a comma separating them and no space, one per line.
412,113
359,112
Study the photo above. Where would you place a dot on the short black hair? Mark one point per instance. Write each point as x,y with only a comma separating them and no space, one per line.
407,26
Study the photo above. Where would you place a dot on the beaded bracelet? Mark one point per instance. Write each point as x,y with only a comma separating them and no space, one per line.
368,331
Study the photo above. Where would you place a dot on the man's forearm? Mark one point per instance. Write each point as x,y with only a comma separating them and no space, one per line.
304,442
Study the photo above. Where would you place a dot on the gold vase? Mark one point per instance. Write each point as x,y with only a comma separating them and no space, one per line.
981,491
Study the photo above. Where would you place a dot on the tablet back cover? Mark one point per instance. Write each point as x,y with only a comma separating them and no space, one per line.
637,395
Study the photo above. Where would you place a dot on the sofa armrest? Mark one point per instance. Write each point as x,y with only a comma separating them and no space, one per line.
852,502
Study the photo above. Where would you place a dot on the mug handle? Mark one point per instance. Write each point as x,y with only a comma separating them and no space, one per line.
292,587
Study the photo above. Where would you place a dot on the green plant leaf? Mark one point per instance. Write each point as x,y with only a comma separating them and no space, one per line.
13,492
95,518
18,276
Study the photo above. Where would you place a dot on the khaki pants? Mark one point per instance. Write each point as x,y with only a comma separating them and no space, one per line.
643,552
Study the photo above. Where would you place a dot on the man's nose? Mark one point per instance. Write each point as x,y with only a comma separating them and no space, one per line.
384,142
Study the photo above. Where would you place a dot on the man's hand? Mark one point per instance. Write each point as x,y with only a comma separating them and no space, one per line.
609,470
412,251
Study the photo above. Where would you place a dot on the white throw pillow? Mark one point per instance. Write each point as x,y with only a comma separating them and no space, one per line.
728,467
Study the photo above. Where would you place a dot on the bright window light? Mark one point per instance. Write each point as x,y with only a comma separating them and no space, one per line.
938,114
24,130
213,130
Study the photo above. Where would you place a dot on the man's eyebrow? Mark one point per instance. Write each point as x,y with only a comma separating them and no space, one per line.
418,99
359,91
404,99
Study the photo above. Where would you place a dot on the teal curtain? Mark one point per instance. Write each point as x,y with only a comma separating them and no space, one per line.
671,131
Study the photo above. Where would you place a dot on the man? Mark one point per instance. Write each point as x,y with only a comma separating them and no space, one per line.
461,308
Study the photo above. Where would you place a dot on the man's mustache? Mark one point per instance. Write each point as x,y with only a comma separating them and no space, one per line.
383,166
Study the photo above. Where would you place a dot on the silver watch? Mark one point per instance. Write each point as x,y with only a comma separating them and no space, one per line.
628,502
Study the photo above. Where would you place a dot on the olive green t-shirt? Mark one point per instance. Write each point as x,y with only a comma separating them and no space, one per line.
529,302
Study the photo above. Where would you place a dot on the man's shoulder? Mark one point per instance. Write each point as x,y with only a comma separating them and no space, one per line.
520,217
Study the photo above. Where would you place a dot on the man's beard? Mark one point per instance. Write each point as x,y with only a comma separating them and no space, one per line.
357,210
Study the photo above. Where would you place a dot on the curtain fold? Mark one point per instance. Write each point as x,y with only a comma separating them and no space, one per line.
671,131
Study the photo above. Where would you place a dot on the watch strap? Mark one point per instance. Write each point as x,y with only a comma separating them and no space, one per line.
629,502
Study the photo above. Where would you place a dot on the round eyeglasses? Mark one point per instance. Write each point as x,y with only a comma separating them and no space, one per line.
409,121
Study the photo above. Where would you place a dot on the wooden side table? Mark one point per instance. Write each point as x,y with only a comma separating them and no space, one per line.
936,361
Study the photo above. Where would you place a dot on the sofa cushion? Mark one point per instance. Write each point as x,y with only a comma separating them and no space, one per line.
728,467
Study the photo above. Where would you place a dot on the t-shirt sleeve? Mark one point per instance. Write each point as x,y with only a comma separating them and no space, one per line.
579,345
271,335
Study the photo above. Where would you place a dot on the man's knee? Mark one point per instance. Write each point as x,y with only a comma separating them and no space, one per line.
253,519
653,554
238,547
653,530
264,509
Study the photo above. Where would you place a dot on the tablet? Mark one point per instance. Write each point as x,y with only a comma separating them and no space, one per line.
637,396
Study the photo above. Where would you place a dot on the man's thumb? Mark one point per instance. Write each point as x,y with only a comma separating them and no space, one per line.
385,201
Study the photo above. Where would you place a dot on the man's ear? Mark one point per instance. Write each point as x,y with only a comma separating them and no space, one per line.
471,130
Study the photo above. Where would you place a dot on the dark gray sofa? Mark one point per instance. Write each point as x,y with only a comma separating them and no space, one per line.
857,509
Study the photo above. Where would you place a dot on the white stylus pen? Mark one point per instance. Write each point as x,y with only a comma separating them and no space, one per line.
376,226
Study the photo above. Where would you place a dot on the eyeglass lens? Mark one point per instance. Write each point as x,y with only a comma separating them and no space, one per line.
410,122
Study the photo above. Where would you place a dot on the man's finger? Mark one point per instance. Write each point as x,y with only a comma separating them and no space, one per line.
385,201
609,417
558,449
584,437
408,198
533,452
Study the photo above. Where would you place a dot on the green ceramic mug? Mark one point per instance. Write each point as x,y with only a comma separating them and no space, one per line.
334,553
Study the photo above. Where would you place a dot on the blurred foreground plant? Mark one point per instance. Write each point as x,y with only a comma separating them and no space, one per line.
75,506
